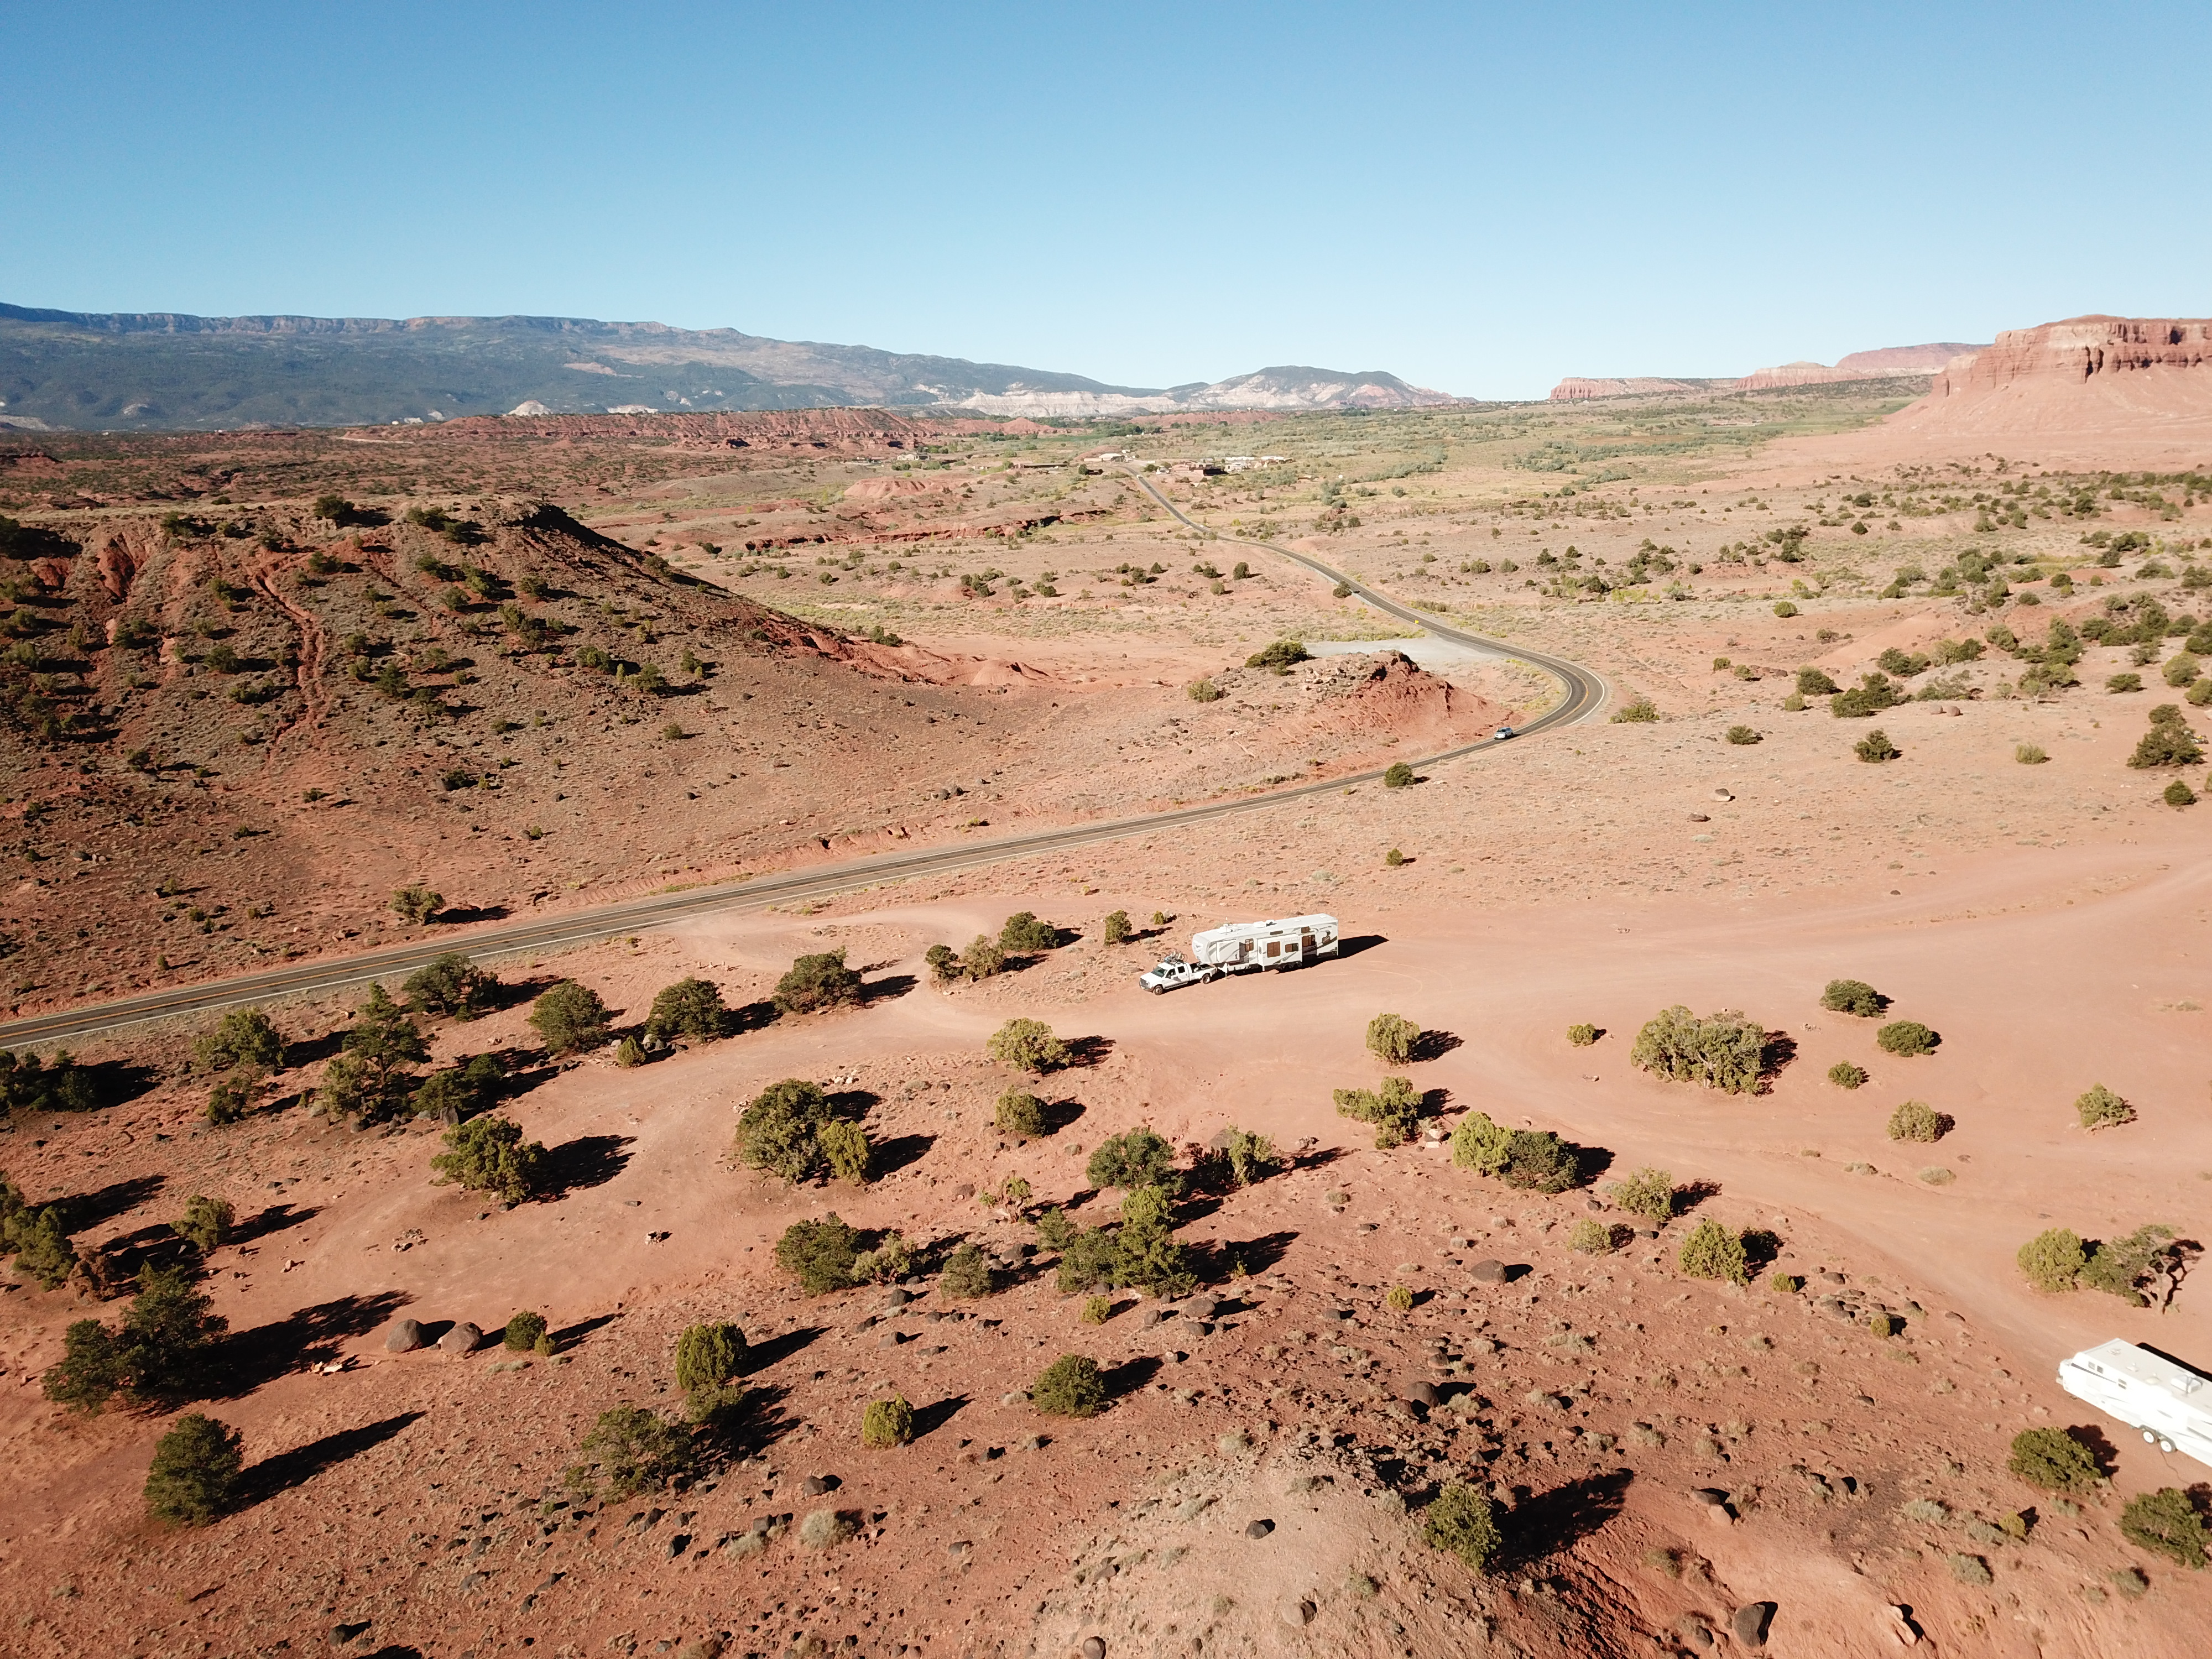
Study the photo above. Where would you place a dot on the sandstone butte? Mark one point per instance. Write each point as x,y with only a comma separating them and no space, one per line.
1855,366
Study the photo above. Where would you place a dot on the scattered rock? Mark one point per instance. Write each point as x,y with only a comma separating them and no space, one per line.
1488,1272
1751,1622
1094,1647
1295,1611
1709,1496
1418,1394
404,1336
814,1486
464,1338
1700,817
897,1298
1199,1307
1259,1529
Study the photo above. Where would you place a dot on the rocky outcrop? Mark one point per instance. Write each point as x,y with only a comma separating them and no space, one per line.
1577,389
2102,378
1879,364
2078,352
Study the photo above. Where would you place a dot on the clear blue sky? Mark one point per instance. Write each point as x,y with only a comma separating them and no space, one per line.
1480,198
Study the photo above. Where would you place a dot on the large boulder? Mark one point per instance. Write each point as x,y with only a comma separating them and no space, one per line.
1751,1623
462,1338
404,1336
1491,1272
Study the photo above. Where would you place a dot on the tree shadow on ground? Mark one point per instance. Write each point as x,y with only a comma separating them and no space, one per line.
1130,1375
854,1105
245,1360
752,1426
748,1016
1691,1193
569,1335
274,1219
115,1082
508,992
588,1160
80,1211
526,1069
463,913
889,988
1590,1163
927,1419
1060,1114
1085,1052
759,1355
156,1245
1559,1519
286,1470
889,1156
1319,1158
1761,1248
1216,1262
1776,1049
1435,1045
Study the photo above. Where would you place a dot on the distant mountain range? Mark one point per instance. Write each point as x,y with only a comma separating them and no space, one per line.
1882,363
149,371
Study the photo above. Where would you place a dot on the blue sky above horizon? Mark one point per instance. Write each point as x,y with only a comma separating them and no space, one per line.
1479,198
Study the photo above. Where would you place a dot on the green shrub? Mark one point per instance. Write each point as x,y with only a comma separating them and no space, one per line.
2053,1459
1582,1035
1394,858
452,985
1115,929
820,1254
243,1037
1853,996
1462,1521
1885,1325
1096,1309
691,1007
2168,742
205,1222
1028,1045
1393,1108
1020,1114
1814,682
630,1450
2100,1108
1742,734
845,1150
1916,1120
1146,1251
569,1017
1723,1051
1391,1039
1642,712
1785,1284
1784,609
1591,1236
1398,776
2181,669
1875,747
41,1244
459,1091
370,1079
1479,1145
1873,694
1088,1259
817,981
2118,1266
232,1097
2053,1259
160,1351
1053,1229
1399,1298
780,1129
2177,793
2167,1524
1250,1156
982,958
1023,931
1646,1192
1282,654
1537,1160
488,1155
416,905
1138,1158
2121,683
1906,1037
195,1475
887,1423
1712,1251
524,1332
1070,1387
966,1274
709,1356
1203,690
1845,1075
2029,754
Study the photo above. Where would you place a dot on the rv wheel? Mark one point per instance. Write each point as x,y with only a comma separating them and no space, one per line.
2149,1439
2166,1445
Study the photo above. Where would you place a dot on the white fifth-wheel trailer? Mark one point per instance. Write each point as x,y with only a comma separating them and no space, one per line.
1245,947
2168,1403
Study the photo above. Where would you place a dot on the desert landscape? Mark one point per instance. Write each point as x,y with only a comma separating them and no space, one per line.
570,853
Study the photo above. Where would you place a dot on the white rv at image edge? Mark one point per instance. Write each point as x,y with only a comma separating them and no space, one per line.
1245,947
2168,1403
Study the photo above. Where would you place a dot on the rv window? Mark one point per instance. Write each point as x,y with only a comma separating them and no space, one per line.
1274,949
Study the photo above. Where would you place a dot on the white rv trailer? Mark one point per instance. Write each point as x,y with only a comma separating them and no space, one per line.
1243,947
2170,1404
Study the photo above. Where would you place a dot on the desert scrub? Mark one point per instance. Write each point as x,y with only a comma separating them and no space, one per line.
1642,712
2029,754
1250,1156
815,983
1463,1521
243,1036
1203,690
819,1255
2118,1266
1845,1075
1027,1045
1533,1159
569,1017
1282,654
887,1423
967,1275
1742,734
2168,743
691,1007
780,1130
1098,1310
1020,1112
1398,776
1853,996
2165,1522
1393,1108
205,1222
1070,1387
1906,1037
1646,1192
2053,1259
1138,1158
2177,793
1023,931
1582,1035
1712,1251
1590,1236
709,1356
845,1150
523,1331
630,1450
1885,1325
1785,1284
2054,1461
195,1475
1391,1038
488,1155
1916,1120
1875,747
1399,1298
1970,1569
1723,1051
2099,1108
1115,929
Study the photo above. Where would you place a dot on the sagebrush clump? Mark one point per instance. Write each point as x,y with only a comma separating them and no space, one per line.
1394,1107
195,1475
1462,1521
1724,1051
2053,1459
1712,1251
887,1423
1853,996
1072,1386
1906,1038
1916,1120
2099,1108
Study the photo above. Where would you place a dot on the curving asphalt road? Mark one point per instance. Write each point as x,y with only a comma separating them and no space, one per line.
1584,694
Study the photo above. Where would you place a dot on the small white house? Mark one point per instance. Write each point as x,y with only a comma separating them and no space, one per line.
1246,946
2168,1403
